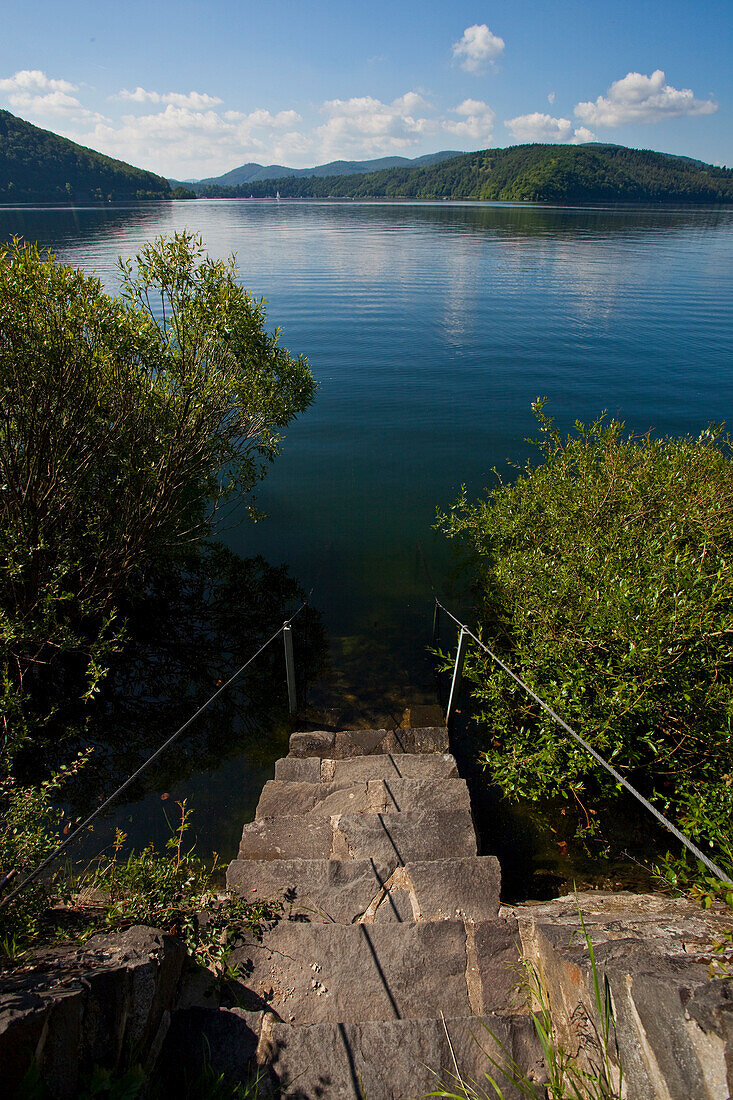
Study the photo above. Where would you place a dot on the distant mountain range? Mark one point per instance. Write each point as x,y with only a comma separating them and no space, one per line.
247,173
39,166
575,174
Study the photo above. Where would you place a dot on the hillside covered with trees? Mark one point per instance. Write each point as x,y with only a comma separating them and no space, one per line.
529,173
39,166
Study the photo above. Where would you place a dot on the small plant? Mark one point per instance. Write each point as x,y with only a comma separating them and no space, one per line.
173,891
30,825
600,1079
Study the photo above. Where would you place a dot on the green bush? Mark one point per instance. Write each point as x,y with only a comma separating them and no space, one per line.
125,425
604,574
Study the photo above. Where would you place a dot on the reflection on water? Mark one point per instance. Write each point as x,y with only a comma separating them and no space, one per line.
431,328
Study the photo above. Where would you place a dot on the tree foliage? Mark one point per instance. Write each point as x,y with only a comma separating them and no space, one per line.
605,576
533,173
125,423
39,166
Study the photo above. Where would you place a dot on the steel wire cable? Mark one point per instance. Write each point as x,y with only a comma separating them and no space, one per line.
131,779
689,844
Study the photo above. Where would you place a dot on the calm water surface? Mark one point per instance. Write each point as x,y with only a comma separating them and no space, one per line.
431,328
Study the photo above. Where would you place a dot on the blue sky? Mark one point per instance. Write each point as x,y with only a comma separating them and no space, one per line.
190,89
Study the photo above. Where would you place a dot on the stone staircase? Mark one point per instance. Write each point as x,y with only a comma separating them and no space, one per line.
390,969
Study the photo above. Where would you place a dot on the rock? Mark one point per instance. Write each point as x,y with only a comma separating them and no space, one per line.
307,973
496,977
80,1006
405,837
395,1059
348,891
349,743
459,888
315,890
286,838
315,801
299,769
356,769
654,953
406,795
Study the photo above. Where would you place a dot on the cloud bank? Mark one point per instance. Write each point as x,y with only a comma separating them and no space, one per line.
193,133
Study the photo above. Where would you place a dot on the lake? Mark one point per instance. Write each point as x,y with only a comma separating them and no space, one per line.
431,327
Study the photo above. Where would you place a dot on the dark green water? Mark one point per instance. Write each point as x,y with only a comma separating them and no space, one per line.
431,328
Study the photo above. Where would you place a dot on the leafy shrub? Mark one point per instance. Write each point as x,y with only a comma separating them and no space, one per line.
604,573
30,824
125,424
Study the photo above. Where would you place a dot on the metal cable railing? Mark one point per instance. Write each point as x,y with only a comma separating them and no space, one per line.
285,630
455,684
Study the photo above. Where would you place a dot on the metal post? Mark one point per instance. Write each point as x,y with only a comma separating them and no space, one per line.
455,687
290,667
436,622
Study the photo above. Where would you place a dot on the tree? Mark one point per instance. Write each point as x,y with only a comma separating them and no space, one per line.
604,575
125,424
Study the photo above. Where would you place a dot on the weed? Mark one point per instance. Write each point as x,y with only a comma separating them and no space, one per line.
599,1078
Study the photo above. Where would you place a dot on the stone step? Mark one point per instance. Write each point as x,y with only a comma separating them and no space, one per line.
308,973
354,891
315,801
345,743
388,839
405,765
376,1059
399,1059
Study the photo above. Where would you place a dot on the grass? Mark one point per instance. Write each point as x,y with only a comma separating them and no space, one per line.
598,1076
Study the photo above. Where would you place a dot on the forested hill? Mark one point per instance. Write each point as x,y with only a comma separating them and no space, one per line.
38,166
531,173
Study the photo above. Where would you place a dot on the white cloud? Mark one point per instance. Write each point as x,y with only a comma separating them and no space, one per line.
280,121
191,134
542,127
551,97
639,98
366,126
476,123
476,47
34,81
34,93
195,100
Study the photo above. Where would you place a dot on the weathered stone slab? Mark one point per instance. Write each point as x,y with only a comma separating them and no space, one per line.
348,891
349,743
418,739
357,743
299,769
286,838
405,795
495,974
307,973
321,891
404,837
315,801
315,743
397,1059
312,769
449,889
311,800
